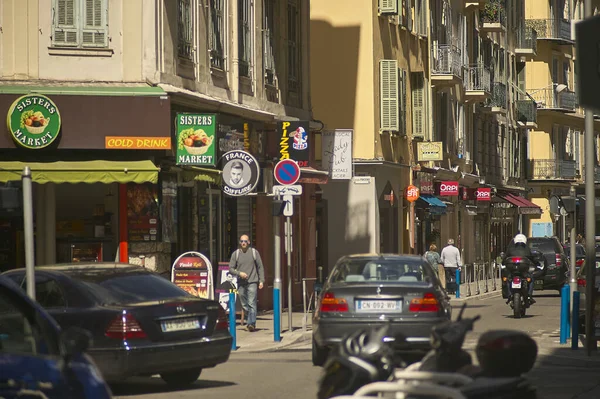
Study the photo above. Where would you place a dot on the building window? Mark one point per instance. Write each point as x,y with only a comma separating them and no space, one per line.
269,42
421,17
417,85
185,29
293,45
217,34
389,96
245,36
81,24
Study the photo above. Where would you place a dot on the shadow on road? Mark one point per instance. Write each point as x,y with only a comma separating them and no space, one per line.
143,386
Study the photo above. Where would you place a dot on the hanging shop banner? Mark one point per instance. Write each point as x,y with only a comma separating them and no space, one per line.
484,194
337,153
449,188
195,134
34,121
193,272
293,141
430,151
226,282
240,173
412,193
142,212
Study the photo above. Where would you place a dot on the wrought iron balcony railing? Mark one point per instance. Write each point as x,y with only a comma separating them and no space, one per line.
551,29
551,169
549,99
447,61
498,97
526,111
477,78
527,39
493,13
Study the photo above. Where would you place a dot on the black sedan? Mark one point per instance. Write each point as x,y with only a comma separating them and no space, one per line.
141,323
365,290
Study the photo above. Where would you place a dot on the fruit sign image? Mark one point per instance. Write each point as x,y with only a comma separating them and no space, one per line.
33,121
195,137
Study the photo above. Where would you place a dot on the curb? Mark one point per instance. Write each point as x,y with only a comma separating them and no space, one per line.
287,340
485,295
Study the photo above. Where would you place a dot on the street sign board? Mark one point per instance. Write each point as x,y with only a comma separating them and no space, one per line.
588,61
240,173
286,172
289,205
287,190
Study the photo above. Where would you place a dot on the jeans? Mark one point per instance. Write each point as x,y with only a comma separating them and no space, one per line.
530,287
247,294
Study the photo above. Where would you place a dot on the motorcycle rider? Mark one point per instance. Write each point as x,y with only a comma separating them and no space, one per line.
518,247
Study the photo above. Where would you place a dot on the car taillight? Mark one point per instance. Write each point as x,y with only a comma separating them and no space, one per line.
330,303
581,282
125,326
579,262
222,320
428,303
515,259
558,260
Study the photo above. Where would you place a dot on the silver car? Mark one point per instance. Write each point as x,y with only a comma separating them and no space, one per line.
369,289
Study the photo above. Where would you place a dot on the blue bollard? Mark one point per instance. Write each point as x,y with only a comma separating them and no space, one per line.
276,315
575,321
457,283
564,313
232,321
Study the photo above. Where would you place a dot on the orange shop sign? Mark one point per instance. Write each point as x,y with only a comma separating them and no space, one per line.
412,193
137,143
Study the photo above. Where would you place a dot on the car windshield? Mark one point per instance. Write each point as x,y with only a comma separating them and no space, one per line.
131,287
382,270
544,246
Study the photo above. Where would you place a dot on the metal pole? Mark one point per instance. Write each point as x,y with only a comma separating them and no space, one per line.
573,279
28,231
564,226
232,321
277,279
288,231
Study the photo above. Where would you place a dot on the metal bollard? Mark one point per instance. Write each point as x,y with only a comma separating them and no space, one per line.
232,321
564,313
458,283
276,315
575,321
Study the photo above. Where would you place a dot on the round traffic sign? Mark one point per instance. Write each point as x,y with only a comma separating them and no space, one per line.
286,172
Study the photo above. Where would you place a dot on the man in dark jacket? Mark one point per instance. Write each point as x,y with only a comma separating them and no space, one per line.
518,247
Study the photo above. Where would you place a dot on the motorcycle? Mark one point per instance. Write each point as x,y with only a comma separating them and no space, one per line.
365,363
517,275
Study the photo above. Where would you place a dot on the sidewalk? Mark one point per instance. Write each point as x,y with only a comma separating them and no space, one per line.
477,290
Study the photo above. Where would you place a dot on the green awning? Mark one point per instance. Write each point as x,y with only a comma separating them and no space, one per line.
201,174
82,171
138,90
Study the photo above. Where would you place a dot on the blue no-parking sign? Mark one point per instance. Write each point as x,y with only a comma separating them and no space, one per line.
286,172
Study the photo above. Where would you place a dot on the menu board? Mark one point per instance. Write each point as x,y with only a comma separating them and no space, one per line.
142,212
192,272
226,282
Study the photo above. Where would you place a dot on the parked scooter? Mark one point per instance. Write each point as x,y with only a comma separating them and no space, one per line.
517,276
367,357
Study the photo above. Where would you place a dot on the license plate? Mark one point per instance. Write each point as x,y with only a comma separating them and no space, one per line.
538,283
516,285
180,325
381,305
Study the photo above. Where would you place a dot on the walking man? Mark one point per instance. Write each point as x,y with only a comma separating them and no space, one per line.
451,259
246,264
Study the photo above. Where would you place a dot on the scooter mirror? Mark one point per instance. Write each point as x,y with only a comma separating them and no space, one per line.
506,353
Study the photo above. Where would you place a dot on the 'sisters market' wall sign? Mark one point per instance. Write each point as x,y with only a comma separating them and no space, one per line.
33,121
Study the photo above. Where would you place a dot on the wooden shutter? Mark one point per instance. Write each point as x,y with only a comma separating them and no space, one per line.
403,84
94,32
418,104
65,23
388,81
388,6
408,14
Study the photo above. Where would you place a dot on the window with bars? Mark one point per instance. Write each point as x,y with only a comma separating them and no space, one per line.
185,29
245,37
217,34
293,45
269,42
80,23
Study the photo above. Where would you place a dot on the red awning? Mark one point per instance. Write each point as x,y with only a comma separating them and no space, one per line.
525,206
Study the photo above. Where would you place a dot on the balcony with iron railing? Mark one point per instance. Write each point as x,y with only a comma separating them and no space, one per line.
555,29
497,102
477,81
493,17
555,100
526,45
527,112
446,65
551,169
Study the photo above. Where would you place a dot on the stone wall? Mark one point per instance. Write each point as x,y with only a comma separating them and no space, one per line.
158,255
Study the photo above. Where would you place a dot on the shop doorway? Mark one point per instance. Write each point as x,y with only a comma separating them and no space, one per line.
215,225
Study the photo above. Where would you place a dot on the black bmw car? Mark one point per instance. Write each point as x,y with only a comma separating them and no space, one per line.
365,290
141,323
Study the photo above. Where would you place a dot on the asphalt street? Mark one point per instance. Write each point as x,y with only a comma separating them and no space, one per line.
289,373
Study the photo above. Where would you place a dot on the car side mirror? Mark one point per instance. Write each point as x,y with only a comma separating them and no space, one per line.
505,353
75,341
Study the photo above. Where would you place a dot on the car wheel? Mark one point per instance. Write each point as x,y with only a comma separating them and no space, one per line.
181,378
319,354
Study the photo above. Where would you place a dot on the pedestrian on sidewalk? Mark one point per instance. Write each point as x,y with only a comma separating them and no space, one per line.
246,264
434,259
451,259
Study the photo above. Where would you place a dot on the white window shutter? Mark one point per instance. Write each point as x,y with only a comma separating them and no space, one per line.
388,6
65,23
388,81
418,104
95,29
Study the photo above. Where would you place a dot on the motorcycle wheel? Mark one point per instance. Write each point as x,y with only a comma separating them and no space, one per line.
517,311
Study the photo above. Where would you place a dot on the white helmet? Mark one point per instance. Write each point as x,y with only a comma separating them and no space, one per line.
520,238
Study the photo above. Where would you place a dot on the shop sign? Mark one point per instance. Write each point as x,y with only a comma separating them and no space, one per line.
193,273
337,153
33,121
449,188
240,173
195,135
142,212
484,194
427,187
430,151
293,141
137,143
226,282
412,193
231,139
467,193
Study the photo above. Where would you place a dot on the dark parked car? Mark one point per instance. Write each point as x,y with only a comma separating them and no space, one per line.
557,260
142,324
365,290
37,359
579,254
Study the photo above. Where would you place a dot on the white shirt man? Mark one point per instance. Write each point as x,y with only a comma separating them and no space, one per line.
451,255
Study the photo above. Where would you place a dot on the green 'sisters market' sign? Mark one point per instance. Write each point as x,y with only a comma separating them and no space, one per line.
33,121
195,134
